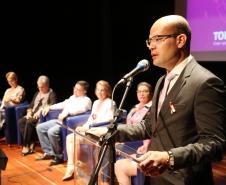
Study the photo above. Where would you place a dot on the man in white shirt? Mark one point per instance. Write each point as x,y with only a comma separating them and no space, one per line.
49,131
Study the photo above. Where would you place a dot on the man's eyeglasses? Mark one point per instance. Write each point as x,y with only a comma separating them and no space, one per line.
159,38
144,91
78,89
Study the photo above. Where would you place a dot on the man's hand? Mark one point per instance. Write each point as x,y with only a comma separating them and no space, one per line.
45,111
62,116
154,163
36,115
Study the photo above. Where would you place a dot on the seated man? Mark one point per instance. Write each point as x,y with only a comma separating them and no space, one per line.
49,131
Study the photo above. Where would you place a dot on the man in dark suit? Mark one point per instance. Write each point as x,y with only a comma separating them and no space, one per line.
187,128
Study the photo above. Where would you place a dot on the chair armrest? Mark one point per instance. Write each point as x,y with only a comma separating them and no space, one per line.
52,114
74,121
105,123
20,110
122,118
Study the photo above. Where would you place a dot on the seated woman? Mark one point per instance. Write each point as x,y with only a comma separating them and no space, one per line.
27,124
12,96
125,168
102,110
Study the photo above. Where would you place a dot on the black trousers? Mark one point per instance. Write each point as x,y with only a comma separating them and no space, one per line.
28,130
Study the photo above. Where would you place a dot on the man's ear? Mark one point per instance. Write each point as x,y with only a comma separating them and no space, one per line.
181,40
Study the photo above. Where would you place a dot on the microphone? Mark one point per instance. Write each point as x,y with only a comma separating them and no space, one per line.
142,66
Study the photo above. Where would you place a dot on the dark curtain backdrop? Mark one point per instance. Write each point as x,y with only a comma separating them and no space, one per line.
68,39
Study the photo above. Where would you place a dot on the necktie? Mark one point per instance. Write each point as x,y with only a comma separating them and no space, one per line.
163,94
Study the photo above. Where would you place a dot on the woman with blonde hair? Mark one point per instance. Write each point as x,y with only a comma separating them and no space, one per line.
102,111
12,96
15,94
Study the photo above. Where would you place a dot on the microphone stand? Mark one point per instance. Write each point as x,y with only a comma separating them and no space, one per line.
108,141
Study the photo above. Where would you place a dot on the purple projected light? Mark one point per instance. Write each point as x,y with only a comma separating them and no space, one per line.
207,19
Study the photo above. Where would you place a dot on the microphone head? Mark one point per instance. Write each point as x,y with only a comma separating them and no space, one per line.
143,65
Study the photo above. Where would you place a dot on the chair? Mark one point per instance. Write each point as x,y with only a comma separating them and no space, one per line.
139,178
52,114
20,111
11,128
71,121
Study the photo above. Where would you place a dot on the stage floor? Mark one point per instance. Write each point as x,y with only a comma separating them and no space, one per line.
26,170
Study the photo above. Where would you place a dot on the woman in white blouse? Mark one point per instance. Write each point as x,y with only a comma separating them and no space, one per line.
13,95
102,111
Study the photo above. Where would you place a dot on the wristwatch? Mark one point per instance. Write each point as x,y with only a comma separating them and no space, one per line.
171,160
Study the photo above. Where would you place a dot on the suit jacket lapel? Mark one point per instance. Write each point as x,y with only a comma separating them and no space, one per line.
181,81
155,98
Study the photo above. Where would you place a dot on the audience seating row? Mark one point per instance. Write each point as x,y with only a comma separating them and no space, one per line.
13,136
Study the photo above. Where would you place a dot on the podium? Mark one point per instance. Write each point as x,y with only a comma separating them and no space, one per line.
87,157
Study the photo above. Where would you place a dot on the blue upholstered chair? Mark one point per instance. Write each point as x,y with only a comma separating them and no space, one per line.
20,111
11,128
71,121
139,178
52,114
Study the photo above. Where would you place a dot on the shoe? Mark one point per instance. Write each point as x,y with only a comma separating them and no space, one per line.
45,156
32,147
56,161
31,151
68,176
25,151
69,172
